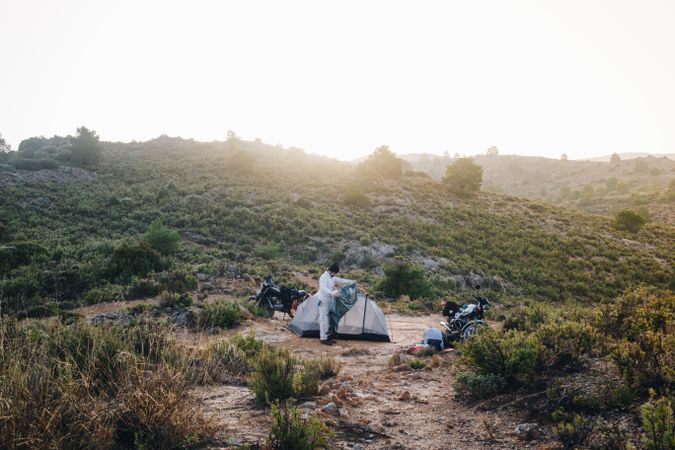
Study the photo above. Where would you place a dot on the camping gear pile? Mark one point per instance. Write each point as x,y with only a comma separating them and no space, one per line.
271,297
352,316
465,321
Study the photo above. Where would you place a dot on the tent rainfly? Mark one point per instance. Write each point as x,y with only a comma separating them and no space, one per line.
365,320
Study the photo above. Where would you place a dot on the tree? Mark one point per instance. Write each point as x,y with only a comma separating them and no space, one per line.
405,279
629,220
564,157
161,238
615,158
85,148
492,151
4,146
464,176
382,163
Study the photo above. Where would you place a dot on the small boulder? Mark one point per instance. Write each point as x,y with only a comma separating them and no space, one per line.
331,408
527,431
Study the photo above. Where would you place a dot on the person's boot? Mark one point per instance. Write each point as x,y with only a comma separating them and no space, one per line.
327,342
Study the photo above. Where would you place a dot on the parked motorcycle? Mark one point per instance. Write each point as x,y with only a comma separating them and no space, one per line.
464,322
271,297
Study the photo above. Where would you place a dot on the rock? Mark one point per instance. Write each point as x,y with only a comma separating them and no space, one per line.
357,447
110,316
527,431
390,423
308,405
332,409
345,384
405,397
364,256
245,313
186,317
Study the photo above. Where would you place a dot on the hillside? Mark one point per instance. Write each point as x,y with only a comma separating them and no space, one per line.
594,186
287,211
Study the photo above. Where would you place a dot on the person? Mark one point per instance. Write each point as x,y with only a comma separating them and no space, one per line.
433,338
326,293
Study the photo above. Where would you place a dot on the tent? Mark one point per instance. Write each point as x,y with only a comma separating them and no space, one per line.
365,320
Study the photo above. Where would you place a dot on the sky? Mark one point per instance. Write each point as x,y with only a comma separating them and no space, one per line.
340,78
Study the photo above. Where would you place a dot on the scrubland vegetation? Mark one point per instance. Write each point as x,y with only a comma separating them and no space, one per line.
585,302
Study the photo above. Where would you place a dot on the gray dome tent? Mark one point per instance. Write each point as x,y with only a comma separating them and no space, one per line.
365,320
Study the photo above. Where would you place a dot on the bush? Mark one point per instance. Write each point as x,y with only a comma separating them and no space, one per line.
382,163
508,355
242,163
174,301
161,238
291,432
648,361
571,429
354,197
306,380
565,342
658,424
133,258
143,287
269,251
33,164
90,387
223,314
273,376
85,148
179,279
417,364
405,279
478,386
228,361
105,294
329,366
463,176
628,220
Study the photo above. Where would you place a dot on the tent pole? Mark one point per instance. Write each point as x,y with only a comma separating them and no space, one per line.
365,305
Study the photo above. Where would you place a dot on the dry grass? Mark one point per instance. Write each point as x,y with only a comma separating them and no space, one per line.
93,387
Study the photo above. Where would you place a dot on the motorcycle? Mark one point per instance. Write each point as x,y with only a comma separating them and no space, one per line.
464,322
271,297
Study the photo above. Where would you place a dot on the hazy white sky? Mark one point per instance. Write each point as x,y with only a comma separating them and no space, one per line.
340,78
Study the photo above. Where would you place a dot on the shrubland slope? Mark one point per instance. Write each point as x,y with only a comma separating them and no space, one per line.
245,207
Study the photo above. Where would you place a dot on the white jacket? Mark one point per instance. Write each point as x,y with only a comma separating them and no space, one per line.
327,286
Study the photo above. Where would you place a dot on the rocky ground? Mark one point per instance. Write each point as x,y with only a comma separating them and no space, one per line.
377,405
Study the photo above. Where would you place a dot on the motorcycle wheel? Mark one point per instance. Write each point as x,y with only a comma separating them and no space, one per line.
266,308
470,329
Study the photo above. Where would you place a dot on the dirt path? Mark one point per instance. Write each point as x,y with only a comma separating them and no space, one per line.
380,407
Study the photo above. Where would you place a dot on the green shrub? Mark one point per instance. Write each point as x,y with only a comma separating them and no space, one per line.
417,364
223,314
508,355
291,432
143,288
405,279
382,163
658,424
478,386
228,362
174,301
329,366
565,342
269,251
85,148
133,258
161,238
33,164
648,361
273,375
628,220
306,379
178,279
354,197
104,294
571,429
463,176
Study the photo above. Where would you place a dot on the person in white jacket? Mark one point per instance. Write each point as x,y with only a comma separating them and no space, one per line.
327,291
